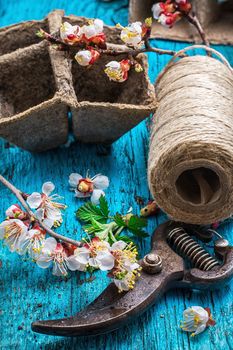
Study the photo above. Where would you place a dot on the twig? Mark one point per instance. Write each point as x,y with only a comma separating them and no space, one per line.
19,196
115,50
195,21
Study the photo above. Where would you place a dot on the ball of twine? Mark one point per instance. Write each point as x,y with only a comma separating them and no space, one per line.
190,167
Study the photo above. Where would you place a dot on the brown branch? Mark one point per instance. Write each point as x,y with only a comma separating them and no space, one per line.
19,196
115,50
195,21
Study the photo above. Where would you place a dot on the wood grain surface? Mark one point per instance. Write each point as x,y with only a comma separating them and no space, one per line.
28,293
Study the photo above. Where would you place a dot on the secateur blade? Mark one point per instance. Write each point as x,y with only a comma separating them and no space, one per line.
111,310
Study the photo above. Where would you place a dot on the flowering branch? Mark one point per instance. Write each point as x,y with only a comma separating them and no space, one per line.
24,232
170,12
110,50
20,196
87,43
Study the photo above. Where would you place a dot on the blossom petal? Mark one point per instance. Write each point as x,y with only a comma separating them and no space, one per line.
83,57
48,187
200,329
99,25
59,269
50,244
119,245
96,194
82,255
157,10
74,179
93,262
2,228
67,29
48,222
131,267
73,264
44,261
101,182
121,284
89,31
114,64
34,200
79,194
40,213
106,261
53,213
202,313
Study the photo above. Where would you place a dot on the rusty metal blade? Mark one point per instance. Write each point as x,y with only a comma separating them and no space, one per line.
111,309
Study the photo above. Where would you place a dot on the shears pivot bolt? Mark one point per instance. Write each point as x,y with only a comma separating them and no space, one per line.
152,263
221,243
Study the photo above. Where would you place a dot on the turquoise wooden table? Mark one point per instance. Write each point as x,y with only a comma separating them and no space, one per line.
28,293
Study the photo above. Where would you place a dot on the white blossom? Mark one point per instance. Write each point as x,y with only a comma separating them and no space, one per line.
13,232
83,57
117,71
89,187
132,34
47,209
93,29
195,320
32,243
68,32
53,253
15,212
100,255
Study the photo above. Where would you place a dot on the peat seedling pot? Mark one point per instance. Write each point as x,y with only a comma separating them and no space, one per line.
39,86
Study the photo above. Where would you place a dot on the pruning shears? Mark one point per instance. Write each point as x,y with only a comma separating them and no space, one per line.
162,269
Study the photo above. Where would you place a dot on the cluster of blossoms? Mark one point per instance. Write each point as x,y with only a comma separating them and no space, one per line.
196,320
24,235
171,11
91,42
90,34
120,259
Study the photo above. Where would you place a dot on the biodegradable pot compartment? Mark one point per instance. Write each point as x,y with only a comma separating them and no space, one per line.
215,16
39,86
106,110
20,35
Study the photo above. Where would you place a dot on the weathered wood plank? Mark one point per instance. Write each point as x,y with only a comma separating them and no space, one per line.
28,293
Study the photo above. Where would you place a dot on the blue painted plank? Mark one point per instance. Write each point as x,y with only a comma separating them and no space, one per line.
28,293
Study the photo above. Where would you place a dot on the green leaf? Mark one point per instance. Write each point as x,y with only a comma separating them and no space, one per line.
133,223
104,206
119,220
136,225
89,211
40,34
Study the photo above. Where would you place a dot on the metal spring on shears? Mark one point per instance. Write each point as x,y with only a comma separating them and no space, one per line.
189,248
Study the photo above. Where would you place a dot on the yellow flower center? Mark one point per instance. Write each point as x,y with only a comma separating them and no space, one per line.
113,74
196,319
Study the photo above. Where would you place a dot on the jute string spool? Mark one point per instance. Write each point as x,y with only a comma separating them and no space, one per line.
190,167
